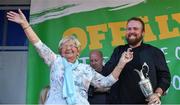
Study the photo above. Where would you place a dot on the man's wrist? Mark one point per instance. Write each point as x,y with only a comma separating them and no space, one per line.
158,94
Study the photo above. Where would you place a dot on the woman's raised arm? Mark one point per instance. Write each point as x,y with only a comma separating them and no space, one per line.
126,57
46,53
21,19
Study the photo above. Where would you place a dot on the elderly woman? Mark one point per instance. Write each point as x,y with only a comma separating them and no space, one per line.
69,79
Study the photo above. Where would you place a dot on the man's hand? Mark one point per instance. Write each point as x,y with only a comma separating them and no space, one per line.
154,99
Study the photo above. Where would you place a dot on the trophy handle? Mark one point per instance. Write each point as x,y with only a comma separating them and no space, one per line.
144,66
140,73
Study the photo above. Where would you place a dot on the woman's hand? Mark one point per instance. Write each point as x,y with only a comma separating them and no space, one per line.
126,57
16,17
21,19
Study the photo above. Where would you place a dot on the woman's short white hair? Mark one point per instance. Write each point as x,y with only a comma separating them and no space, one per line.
69,38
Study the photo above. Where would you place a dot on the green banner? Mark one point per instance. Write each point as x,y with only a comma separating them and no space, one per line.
100,24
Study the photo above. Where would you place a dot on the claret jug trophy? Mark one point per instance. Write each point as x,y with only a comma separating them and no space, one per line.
144,82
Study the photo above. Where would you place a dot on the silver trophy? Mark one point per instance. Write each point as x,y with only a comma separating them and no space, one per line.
145,83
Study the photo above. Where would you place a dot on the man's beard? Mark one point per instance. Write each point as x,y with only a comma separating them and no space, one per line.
135,41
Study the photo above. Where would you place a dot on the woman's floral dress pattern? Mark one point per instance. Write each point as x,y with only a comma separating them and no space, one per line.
83,75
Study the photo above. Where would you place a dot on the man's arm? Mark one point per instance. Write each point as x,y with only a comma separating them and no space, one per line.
163,73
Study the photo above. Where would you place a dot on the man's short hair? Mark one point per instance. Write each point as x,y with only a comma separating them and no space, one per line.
137,19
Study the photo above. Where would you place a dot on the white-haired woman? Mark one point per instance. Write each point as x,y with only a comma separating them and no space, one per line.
69,79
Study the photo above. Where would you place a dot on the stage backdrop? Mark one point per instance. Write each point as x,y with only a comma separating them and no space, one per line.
100,24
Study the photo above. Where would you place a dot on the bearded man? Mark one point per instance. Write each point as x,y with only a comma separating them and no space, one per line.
126,90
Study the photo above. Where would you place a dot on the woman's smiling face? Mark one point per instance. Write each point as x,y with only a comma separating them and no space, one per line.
70,51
